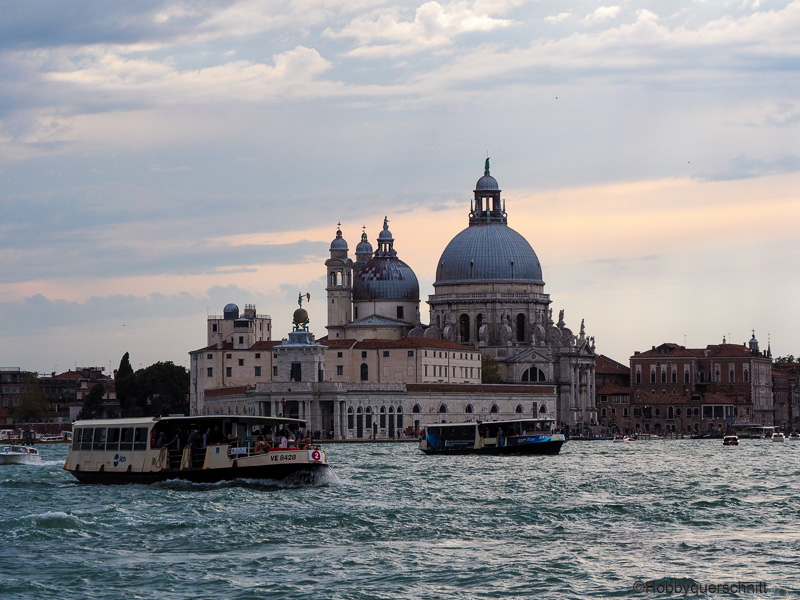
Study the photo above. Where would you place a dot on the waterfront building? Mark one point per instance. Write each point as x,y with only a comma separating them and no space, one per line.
380,371
697,390
613,395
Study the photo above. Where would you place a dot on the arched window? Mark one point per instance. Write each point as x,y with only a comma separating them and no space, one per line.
478,323
670,413
416,409
663,375
468,409
442,409
383,418
464,328
543,409
521,327
364,372
533,374
731,376
701,376
746,376
518,409
333,278
369,418
350,422
400,417
495,409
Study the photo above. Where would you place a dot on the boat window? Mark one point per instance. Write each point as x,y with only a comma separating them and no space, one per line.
112,443
127,439
140,438
86,440
76,439
99,438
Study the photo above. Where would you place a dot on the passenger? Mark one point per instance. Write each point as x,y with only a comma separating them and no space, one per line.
162,439
501,437
207,438
284,442
292,442
194,438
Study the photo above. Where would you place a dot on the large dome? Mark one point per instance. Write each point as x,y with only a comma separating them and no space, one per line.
491,252
385,279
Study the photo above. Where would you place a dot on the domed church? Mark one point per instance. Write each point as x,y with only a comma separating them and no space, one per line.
489,293
380,373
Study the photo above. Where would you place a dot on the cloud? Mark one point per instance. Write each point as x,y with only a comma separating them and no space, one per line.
741,167
434,25
603,13
557,18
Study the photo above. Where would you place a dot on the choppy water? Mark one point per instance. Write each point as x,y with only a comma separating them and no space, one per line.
390,522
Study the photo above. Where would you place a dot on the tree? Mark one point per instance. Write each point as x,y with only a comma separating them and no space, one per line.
125,386
33,406
163,388
93,403
490,370
785,359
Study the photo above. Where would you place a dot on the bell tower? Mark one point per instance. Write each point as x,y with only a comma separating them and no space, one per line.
339,287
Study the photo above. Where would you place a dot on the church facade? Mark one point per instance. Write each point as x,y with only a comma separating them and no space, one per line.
380,372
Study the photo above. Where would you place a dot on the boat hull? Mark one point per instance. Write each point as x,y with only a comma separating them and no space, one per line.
308,472
548,448
20,460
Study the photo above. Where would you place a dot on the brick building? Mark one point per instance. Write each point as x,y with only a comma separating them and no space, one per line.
697,390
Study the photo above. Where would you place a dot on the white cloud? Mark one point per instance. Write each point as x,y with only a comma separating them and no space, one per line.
434,24
293,73
557,18
603,13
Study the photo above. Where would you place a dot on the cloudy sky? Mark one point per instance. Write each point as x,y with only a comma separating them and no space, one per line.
159,159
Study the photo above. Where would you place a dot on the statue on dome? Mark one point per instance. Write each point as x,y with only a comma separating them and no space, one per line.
486,167
300,316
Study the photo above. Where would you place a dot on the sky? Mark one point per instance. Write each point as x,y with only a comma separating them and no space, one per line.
160,159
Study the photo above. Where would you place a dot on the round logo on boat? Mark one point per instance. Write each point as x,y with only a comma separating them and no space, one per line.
316,455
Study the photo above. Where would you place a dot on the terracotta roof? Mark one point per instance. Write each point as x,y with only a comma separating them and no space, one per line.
612,389
230,391
482,388
406,342
603,364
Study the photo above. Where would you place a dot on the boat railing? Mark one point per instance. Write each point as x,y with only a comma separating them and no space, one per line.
259,447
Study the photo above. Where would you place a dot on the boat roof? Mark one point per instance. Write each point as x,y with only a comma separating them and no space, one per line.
210,419
501,422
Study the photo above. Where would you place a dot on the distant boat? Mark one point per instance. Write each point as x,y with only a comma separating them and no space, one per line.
19,455
515,436
778,437
794,437
730,440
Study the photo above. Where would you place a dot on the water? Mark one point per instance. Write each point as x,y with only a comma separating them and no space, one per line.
391,522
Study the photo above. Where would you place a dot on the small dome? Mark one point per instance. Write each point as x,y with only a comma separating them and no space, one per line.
364,247
487,183
231,311
339,243
385,278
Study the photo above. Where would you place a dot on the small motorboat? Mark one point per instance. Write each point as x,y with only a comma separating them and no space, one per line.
794,437
624,438
19,455
778,437
730,440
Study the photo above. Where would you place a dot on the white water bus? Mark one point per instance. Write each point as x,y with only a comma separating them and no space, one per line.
515,436
151,449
